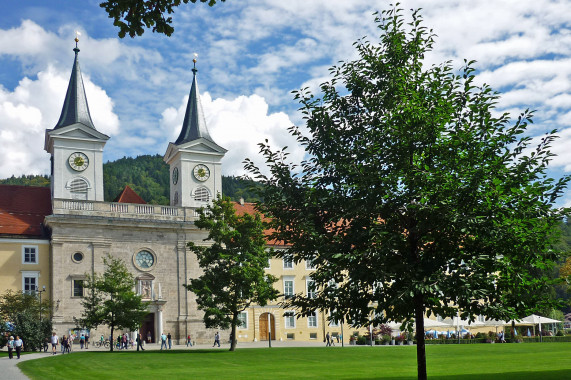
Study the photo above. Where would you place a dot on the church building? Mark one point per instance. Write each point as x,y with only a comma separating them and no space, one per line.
53,237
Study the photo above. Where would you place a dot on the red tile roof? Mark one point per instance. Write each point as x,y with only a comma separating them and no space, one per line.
250,208
23,209
128,195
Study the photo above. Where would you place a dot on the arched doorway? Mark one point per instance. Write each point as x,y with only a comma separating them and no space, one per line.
267,324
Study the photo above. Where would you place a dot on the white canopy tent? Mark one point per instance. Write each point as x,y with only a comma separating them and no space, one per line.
538,320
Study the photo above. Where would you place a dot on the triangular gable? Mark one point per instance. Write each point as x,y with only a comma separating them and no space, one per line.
200,145
129,195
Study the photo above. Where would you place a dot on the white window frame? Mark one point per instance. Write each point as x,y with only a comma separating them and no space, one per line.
333,323
30,274
289,319
309,264
286,280
310,318
245,319
36,250
288,262
312,294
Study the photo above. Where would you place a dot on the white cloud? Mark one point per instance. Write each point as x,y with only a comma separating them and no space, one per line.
239,125
33,107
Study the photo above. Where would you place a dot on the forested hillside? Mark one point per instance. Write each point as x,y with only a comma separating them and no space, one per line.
148,176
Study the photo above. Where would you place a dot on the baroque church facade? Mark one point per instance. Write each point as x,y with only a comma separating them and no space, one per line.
68,230
151,239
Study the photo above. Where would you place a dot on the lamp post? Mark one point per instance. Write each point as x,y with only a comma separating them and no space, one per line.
40,292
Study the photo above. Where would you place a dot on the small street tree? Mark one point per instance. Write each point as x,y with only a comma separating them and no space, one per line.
22,314
111,299
234,275
417,197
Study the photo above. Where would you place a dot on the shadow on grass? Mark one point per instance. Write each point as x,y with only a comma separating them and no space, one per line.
539,375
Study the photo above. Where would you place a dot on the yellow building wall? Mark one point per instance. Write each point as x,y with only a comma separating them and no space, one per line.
12,266
301,331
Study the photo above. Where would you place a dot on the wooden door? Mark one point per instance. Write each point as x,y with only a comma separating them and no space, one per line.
264,328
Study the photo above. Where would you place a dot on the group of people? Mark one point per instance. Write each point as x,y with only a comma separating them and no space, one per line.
66,342
15,344
331,339
166,339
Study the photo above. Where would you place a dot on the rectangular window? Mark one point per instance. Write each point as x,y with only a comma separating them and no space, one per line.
290,336
288,288
312,335
29,254
310,285
309,264
30,282
289,319
243,320
312,320
288,262
333,323
78,288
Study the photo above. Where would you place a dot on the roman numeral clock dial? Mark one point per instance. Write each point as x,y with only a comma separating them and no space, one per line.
78,161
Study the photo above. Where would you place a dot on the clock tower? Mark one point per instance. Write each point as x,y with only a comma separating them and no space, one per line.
75,146
194,158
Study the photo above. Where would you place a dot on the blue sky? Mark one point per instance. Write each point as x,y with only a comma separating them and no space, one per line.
252,54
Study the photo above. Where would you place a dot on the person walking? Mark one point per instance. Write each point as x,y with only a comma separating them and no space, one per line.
10,347
328,338
216,339
163,341
86,341
54,341
169,338
18,345
188,341
82,341
140,342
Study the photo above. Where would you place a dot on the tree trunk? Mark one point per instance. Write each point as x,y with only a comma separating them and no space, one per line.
233,333
420,345
112,342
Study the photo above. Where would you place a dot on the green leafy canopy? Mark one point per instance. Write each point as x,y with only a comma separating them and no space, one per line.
233,265
417,197
111,299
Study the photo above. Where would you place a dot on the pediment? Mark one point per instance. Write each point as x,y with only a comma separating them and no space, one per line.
78,130
200,145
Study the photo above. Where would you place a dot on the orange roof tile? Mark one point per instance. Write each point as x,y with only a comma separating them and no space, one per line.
23,209
128,195
250,208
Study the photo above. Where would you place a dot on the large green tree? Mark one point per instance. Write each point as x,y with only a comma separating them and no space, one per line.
111,299
233,265
132,17
24,315
417,197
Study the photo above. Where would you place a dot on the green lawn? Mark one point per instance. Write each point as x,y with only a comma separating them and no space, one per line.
473,361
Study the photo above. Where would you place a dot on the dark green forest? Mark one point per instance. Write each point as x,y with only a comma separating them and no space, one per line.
148,176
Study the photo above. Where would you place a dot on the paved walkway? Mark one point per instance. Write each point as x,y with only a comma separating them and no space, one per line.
9,370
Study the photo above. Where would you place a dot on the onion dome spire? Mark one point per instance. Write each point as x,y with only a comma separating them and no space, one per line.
194,125
75,108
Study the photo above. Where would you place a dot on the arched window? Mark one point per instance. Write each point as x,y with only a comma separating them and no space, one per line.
78,188
201,194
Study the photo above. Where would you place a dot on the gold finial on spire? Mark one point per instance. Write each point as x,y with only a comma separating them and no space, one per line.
76,39
194,70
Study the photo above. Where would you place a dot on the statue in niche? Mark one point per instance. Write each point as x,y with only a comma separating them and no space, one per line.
146,289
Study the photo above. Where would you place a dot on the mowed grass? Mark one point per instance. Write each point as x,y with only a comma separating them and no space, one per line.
490,361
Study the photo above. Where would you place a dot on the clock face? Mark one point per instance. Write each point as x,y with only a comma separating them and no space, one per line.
201,172
145,259
175,176
78,161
